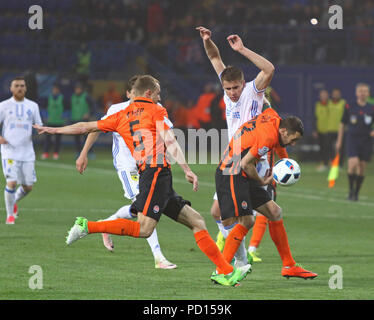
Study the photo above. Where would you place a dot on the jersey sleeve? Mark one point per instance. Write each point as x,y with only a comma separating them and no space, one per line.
109,123
162,119
281,152
37,117
263,143
345,118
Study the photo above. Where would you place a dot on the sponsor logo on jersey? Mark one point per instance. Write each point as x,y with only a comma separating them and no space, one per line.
263,151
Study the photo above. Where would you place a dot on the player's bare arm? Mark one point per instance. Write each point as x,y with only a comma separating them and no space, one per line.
211,50
74,129
82,161
248,164
3,141
339,140
263,79
176,153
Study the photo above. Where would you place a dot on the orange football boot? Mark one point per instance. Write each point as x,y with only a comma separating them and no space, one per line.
297,271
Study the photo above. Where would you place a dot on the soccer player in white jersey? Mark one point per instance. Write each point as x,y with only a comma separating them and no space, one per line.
127,172
244,101
17,115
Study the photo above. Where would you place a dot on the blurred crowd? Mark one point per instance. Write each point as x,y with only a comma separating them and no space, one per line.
167,28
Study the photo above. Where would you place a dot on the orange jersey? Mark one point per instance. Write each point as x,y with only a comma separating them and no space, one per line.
257,136
140,125
281,153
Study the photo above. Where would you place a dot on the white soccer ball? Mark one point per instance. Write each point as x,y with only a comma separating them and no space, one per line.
286,172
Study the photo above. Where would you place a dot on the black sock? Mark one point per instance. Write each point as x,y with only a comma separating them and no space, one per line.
352,178
359,180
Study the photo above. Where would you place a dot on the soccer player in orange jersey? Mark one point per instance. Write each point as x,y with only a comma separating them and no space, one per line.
146,129
239,186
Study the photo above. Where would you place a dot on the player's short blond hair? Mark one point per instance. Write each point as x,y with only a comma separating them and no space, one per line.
231,73
144,83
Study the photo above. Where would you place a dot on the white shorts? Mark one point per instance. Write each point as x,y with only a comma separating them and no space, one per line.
130,182
21,171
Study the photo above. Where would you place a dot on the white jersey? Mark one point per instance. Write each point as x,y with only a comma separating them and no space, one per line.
17,118
246,108
122,158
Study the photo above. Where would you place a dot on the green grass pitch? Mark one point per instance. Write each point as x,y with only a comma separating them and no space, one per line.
324,229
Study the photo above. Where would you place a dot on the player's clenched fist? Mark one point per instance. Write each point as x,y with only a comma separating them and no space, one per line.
205,33
235,42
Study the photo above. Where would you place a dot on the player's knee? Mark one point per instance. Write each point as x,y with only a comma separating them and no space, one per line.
276,213
198,224
247,221
11,185
145,231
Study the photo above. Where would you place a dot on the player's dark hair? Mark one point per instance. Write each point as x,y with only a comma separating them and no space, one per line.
231,73
144,83
292,124
18,78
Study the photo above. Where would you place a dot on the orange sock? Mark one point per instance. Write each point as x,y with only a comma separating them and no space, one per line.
209,247
121,227
258,230
233,241
280,239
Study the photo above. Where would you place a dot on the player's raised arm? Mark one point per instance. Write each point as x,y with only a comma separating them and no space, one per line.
74,129
263,79
211,50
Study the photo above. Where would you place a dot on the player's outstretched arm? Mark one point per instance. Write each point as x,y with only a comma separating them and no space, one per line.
263,79
82,160
248,164
74,129
211,50
176,153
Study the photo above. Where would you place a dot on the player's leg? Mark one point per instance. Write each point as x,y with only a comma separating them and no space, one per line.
235,240
352,172
225,273
261,221
258,232
57,146
279,236
10,170
46,147
216,214
26,179
359,179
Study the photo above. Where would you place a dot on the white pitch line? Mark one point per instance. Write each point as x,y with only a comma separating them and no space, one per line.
305,195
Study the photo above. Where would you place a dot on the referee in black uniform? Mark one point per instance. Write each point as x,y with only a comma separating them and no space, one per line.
358,118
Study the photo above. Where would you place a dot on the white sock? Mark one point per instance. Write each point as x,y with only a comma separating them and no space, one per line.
241,253
252,249
221,228
122,213
9,196
20,194
155,246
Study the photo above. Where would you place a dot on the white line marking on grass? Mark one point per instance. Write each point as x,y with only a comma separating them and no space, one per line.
306,195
